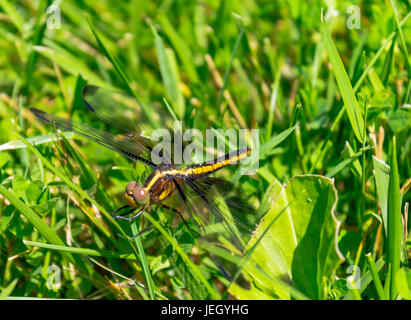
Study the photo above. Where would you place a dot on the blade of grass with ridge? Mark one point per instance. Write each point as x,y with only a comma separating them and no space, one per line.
144,263
45,230
356,87
84,195
394,222
194,269
121,73
83,251
350,101
169,73
180,46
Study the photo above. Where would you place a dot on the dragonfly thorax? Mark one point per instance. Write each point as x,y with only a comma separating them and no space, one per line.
136,195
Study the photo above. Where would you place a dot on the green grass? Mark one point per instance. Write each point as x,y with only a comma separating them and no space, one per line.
328,101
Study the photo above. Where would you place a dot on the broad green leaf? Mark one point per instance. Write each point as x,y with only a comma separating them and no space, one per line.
400,120
403,281
158,264
248,294
296,241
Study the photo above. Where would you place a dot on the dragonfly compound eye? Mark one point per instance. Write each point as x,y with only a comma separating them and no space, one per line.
136,195
140,195
130,187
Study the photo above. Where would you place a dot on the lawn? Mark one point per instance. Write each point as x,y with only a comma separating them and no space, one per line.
321,91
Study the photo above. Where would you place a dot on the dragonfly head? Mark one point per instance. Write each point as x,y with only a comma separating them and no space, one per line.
136,195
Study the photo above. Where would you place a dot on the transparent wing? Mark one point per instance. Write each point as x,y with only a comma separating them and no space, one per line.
122,111
130,115
129,146
223,223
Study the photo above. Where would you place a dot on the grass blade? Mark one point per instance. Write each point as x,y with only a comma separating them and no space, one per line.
227,72
273,102
17,144
84,251
382,178
185,257
169,74
46,231
403,43
70,64
144,262
37,222
394,221
180,46
121,73
375,276
13,14
344,84
343,164
8,290
267,147
377,55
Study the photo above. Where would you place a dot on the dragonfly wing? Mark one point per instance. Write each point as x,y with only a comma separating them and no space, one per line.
126,145
125,113
205,202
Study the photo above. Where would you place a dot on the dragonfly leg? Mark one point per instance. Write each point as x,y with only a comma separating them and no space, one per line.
130,218
179,213
168,208
119,209
140,232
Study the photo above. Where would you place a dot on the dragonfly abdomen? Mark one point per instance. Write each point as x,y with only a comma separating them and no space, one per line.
159,184
208,167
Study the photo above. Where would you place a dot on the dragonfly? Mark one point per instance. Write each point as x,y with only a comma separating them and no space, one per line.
189,191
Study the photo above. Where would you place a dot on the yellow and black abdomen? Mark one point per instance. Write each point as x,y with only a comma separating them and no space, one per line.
160,184
208,167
